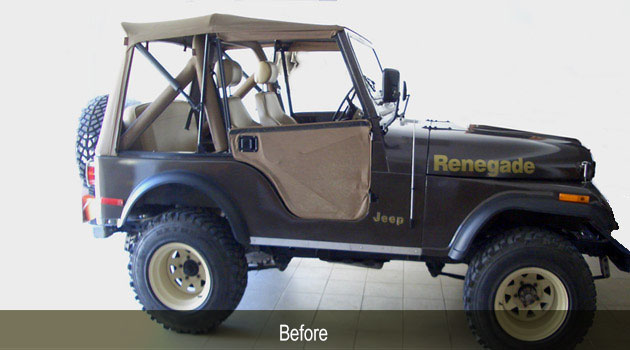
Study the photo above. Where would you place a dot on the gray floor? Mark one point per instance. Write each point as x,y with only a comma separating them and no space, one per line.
311,284
315,289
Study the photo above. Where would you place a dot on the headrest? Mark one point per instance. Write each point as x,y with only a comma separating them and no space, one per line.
233,73
267,73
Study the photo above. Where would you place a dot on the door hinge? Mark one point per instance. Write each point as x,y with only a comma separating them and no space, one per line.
248,143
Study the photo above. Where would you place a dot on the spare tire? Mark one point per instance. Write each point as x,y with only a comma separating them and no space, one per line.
88,132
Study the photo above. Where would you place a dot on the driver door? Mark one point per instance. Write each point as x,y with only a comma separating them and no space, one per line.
320,170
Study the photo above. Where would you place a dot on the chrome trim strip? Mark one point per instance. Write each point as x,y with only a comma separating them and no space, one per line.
354,247
413,174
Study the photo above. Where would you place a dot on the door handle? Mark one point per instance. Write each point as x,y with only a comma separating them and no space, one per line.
248,143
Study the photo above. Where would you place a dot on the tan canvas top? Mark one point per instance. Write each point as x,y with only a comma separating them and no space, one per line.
229,28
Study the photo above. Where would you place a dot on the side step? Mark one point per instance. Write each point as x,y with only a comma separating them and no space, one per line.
435,269
258,260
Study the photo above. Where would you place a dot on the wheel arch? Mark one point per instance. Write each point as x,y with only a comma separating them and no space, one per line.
538,205
202,185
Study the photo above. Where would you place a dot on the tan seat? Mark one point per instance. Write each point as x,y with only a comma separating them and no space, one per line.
239,117
268,106
167,132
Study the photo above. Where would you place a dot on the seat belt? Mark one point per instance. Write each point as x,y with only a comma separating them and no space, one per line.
194,96
189,120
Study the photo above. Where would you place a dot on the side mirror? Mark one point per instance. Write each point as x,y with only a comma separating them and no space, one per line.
391,85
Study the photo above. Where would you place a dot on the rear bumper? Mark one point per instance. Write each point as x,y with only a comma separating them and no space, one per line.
101,231
91,208
104,210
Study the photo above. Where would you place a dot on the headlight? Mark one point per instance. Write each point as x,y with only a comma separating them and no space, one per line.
588,170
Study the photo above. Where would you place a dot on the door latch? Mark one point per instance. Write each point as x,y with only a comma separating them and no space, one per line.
247,143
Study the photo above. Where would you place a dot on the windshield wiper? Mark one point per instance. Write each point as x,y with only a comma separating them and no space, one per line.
371,83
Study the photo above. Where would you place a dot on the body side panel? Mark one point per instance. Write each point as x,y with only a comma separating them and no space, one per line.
260,205
472,153
204,186
472,202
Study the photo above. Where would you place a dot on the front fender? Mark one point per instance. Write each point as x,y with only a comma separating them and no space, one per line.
199,183
535,202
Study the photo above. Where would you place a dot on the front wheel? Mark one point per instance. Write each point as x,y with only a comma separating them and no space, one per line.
529,288
187,270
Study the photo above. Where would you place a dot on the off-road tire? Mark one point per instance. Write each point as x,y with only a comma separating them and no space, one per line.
210,236
88,132
521,248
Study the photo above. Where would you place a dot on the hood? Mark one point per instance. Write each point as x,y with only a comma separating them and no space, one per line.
494,152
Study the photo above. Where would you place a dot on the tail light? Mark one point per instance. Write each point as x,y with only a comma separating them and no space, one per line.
90,174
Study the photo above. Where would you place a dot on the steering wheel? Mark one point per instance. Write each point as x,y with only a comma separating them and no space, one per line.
350,109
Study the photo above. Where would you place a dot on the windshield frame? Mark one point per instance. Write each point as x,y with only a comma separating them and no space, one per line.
353,36
384,111
367,103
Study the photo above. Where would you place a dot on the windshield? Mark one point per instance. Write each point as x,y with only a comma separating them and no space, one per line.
372,74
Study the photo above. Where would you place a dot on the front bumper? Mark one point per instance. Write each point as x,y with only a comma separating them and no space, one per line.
618,254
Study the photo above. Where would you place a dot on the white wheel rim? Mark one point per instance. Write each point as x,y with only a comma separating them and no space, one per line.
531,304
179,276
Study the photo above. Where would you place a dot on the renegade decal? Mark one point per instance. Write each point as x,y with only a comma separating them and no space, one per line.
394,220
491,167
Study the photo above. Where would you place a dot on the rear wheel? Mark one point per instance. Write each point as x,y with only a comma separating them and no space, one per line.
179,276
529,288
187,270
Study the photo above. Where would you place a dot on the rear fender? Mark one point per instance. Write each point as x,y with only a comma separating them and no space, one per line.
198,183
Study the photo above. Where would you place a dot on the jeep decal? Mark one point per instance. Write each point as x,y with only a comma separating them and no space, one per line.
394,220
492,167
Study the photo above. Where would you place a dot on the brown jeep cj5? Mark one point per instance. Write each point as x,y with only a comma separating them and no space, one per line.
232,159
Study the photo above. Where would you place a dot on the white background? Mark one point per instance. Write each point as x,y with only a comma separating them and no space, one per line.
559,67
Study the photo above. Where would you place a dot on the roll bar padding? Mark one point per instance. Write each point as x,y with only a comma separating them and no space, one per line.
155,109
